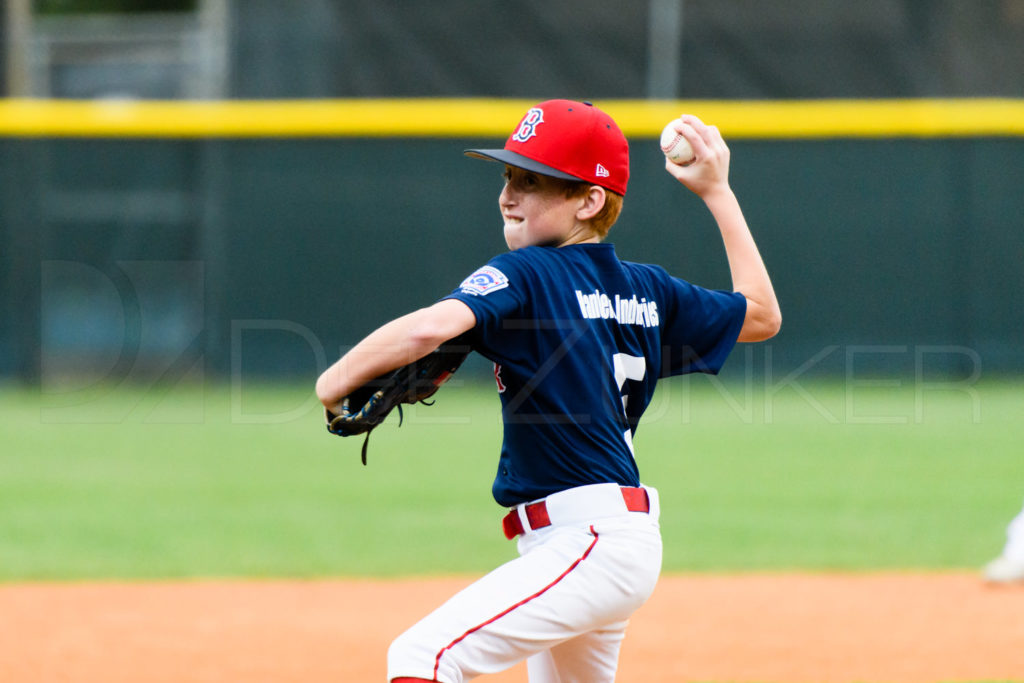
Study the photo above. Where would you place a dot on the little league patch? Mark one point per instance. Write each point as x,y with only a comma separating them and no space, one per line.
484,281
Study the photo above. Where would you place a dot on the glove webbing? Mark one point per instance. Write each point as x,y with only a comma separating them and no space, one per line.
366,441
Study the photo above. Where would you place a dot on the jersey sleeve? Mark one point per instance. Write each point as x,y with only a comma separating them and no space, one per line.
701,329
494,292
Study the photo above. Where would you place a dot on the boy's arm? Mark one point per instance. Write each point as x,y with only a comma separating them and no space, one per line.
708,177
391,346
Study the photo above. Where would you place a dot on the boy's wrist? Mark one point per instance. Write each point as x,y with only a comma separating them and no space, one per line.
719,195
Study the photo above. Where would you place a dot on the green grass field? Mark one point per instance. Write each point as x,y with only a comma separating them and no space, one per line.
207,481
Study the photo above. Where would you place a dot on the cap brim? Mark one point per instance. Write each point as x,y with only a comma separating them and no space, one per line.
519,161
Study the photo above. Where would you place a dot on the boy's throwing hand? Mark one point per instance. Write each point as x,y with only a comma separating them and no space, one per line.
710,169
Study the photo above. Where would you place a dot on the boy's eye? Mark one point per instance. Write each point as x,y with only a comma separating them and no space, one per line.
522,180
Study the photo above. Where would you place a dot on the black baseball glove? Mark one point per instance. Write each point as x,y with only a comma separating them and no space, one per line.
370,404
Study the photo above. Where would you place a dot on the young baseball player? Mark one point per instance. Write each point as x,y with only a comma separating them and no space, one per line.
578,339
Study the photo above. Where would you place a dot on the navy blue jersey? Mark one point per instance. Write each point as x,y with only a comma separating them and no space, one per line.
579,340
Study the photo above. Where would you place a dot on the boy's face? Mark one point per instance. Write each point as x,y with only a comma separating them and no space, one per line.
536,211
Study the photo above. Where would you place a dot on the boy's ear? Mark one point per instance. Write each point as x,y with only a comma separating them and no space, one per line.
593,202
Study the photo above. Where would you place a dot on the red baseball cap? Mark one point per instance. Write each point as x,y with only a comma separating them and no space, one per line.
569,140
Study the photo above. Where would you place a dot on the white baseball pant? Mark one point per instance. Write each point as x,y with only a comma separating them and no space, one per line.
563,604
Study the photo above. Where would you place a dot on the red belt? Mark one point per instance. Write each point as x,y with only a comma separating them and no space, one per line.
537,513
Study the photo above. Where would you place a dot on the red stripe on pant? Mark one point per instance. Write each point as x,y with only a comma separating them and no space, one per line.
437,660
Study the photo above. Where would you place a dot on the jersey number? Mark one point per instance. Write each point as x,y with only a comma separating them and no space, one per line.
627,367
497,378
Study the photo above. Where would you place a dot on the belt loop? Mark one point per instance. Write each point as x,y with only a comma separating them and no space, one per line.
524,520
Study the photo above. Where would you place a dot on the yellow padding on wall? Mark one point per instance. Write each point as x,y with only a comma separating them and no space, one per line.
769,119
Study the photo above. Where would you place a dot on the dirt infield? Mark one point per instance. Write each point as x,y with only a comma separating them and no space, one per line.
786,628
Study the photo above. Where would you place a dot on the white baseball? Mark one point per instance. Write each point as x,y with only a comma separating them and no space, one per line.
675,146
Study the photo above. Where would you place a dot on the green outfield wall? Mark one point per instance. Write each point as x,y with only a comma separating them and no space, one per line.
175,240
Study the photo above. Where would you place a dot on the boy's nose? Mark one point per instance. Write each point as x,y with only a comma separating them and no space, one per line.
506,197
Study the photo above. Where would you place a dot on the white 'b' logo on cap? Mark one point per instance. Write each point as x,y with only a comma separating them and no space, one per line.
528,128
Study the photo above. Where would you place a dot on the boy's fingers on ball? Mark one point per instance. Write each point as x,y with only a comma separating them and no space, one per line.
698,139
694,122
676,142
716,134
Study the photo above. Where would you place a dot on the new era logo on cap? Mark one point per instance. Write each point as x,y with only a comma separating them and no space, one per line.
569,140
